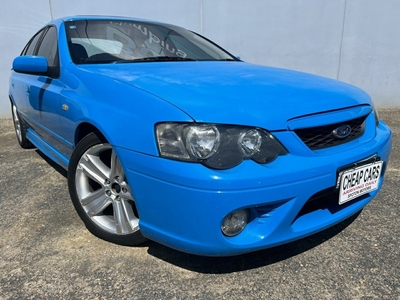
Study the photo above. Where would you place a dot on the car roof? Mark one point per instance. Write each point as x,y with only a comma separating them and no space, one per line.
104,17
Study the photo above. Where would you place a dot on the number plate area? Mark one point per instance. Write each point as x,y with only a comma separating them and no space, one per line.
359,181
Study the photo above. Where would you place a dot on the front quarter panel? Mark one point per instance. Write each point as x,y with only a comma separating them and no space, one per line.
124,114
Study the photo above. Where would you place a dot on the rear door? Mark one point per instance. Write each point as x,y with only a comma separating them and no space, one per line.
20,82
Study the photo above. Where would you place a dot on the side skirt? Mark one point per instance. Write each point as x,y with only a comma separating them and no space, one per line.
48,150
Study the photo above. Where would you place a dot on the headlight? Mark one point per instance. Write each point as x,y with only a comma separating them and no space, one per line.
202,141
250,142
376,116
216,146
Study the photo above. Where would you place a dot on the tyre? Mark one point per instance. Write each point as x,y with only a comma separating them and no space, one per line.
101,194
20,129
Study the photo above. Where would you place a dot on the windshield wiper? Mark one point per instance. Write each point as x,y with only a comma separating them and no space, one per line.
156,58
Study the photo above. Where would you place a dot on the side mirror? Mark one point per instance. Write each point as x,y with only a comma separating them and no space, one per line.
31,65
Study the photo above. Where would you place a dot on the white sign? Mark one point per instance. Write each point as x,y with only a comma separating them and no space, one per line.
359,181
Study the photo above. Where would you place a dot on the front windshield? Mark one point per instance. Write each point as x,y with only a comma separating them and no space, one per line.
119,41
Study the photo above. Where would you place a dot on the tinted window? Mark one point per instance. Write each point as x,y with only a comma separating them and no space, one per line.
49,49
30,47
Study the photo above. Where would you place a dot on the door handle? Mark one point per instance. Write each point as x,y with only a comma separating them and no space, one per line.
27,90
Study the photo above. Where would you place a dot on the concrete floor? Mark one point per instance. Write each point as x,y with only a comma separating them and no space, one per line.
47,253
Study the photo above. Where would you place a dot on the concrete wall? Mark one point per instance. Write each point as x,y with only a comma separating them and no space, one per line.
356,41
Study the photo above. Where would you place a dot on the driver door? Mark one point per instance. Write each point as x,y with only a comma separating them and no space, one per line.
43,92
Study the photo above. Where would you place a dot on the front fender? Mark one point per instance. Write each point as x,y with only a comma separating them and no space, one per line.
125,115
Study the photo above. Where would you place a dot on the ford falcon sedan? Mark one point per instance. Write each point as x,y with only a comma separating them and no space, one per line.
166,136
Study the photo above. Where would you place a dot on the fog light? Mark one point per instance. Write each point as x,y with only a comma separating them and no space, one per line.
235,222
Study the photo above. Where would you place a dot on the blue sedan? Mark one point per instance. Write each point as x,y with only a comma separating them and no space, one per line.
167,136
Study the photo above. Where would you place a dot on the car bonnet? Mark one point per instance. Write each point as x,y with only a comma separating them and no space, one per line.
236,92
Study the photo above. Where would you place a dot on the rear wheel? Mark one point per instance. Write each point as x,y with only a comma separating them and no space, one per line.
20,129
101,194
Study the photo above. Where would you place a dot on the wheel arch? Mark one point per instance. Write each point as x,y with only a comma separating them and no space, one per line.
84,129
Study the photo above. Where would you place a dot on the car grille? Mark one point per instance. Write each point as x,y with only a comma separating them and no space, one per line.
322,137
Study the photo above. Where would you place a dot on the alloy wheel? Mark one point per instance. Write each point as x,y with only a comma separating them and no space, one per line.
104,192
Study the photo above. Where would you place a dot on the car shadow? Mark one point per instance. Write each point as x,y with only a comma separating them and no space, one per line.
221,265
54,165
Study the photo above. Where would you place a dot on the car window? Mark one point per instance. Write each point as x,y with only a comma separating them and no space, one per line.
31,46
49,49
109,41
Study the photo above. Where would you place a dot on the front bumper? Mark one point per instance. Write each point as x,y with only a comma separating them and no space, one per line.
182,205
